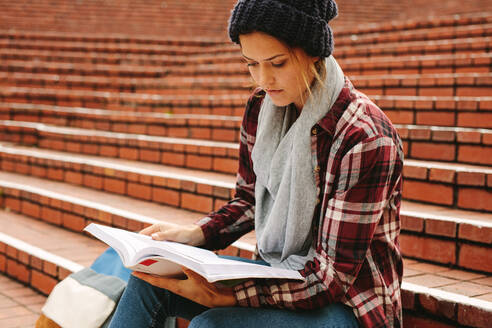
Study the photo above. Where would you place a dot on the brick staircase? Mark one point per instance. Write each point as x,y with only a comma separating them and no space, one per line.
129,131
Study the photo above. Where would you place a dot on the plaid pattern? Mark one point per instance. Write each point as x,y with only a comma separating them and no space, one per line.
358,159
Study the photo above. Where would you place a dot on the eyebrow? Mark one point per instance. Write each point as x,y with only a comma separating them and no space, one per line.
271,58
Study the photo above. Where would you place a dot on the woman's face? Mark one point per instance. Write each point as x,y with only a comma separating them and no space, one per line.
274,69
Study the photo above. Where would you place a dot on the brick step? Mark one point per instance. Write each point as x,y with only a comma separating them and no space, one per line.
416,23
453,295
462,145
20,306
450,185
433,233
458,145
439,27
232,64
211,85
451,84
207,127
440,46
193,190
73,207
39,254
112,44
474,112
182,152
449,144
118,48
173,40
230,104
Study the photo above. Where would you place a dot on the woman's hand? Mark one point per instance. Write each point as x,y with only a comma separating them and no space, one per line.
189,234
195,288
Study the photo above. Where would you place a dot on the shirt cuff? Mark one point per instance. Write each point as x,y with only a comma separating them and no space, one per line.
246,294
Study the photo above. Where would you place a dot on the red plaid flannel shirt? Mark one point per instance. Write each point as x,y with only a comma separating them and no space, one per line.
359,176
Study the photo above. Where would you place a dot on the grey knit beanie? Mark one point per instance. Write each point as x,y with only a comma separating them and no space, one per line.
298,23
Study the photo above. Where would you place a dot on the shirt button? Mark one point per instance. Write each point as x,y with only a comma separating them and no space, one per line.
317,168
314,131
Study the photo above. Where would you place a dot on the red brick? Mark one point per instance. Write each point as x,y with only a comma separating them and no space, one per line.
175,159
31,209
42,282
433,151
165,196
411,223
3,263
115,185
63,273
196,203
73,177
475,257
469,136
407,299
435,118
427,192
475,199
473,316
199,162
475,233
225,135
475,154
139,191
400,117
50,268
51,215
147,155
93,181
55,174
442,175
23,257
73,222
438,307
225,165
471,179
13,203
416,172
475,120
413,321
128,153
440,228
18,271
431,249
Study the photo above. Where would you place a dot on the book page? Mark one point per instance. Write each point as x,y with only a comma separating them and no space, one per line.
166,258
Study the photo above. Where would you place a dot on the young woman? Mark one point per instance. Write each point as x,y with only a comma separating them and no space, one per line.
319,180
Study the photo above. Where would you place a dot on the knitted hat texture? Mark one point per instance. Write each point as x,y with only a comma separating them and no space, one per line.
298,23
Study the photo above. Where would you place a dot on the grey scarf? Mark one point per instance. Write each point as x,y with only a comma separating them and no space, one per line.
285,189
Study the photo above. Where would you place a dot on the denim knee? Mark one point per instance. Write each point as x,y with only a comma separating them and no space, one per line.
208,319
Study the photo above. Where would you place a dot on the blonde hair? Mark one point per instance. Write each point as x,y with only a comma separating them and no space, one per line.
317,69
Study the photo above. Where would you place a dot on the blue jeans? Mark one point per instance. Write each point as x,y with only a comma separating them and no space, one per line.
143,305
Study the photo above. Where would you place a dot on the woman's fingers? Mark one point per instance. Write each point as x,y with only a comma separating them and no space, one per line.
150,230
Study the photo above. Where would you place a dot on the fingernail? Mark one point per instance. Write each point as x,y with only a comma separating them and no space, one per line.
155,235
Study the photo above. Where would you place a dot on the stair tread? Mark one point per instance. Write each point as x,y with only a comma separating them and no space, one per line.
218,179
20,306
77,247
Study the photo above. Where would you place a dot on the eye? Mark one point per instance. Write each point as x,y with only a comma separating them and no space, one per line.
278,64
251,64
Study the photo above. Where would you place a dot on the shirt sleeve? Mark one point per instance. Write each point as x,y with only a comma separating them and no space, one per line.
367,176
236,218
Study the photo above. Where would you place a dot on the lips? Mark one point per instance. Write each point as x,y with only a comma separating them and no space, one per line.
274,91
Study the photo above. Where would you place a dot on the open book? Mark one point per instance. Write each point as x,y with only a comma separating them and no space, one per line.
142,253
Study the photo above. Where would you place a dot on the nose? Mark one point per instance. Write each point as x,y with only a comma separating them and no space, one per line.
265,77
